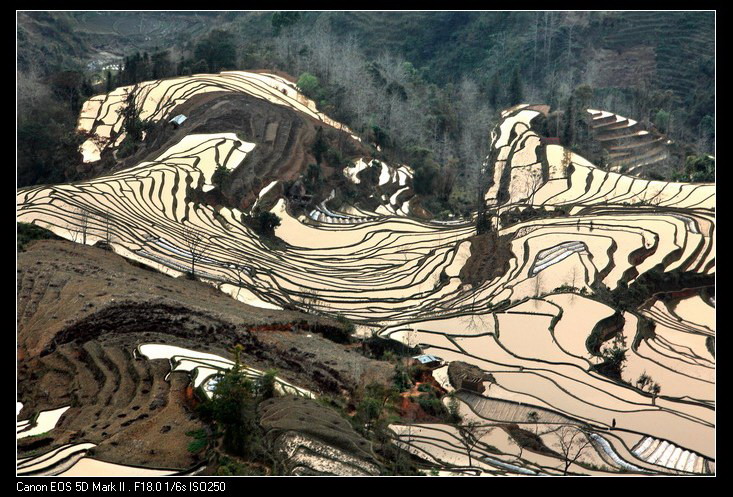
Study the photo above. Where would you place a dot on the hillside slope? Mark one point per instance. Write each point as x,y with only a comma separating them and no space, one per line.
596,310
83,312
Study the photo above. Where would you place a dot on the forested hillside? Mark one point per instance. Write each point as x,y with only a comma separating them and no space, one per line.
423,86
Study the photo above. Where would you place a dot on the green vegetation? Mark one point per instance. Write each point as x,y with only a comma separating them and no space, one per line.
142,67
514,216
342,333
233,414
339,334
372,406
230,467
645,382
200,441
313,178
221,177
710,345
614,358
216,52
565,288
629,297
320,145
698,169
424,180
309,85
380,348
516,90
403,377
133,127
282,20
264,223
431,404
266,385
527,440
238,444
233,408
644,330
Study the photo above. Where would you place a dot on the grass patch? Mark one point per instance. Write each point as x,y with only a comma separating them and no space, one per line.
200,441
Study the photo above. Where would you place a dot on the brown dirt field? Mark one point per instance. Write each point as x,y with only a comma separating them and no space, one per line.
82,311
490,255
62,284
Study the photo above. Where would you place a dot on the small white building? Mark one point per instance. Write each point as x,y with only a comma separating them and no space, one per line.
428,360
178,120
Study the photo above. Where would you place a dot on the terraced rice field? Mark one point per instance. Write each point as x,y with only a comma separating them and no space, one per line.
101,116
71,460
400,277
628,145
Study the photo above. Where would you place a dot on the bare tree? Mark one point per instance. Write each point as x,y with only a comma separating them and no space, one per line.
655,389
83,225
73,230
572,442
485,172
107,223
308,299
475,320
535,182
567,159
195,244
103,223
645,382
573,283
240,270
79,225
471,434
31,91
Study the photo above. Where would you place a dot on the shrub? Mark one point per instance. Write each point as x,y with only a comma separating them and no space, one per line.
221,176
199,442
309,85
401,380
266,384
263,223
661,120
338,334
233,407
348,326
433,406
380,136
